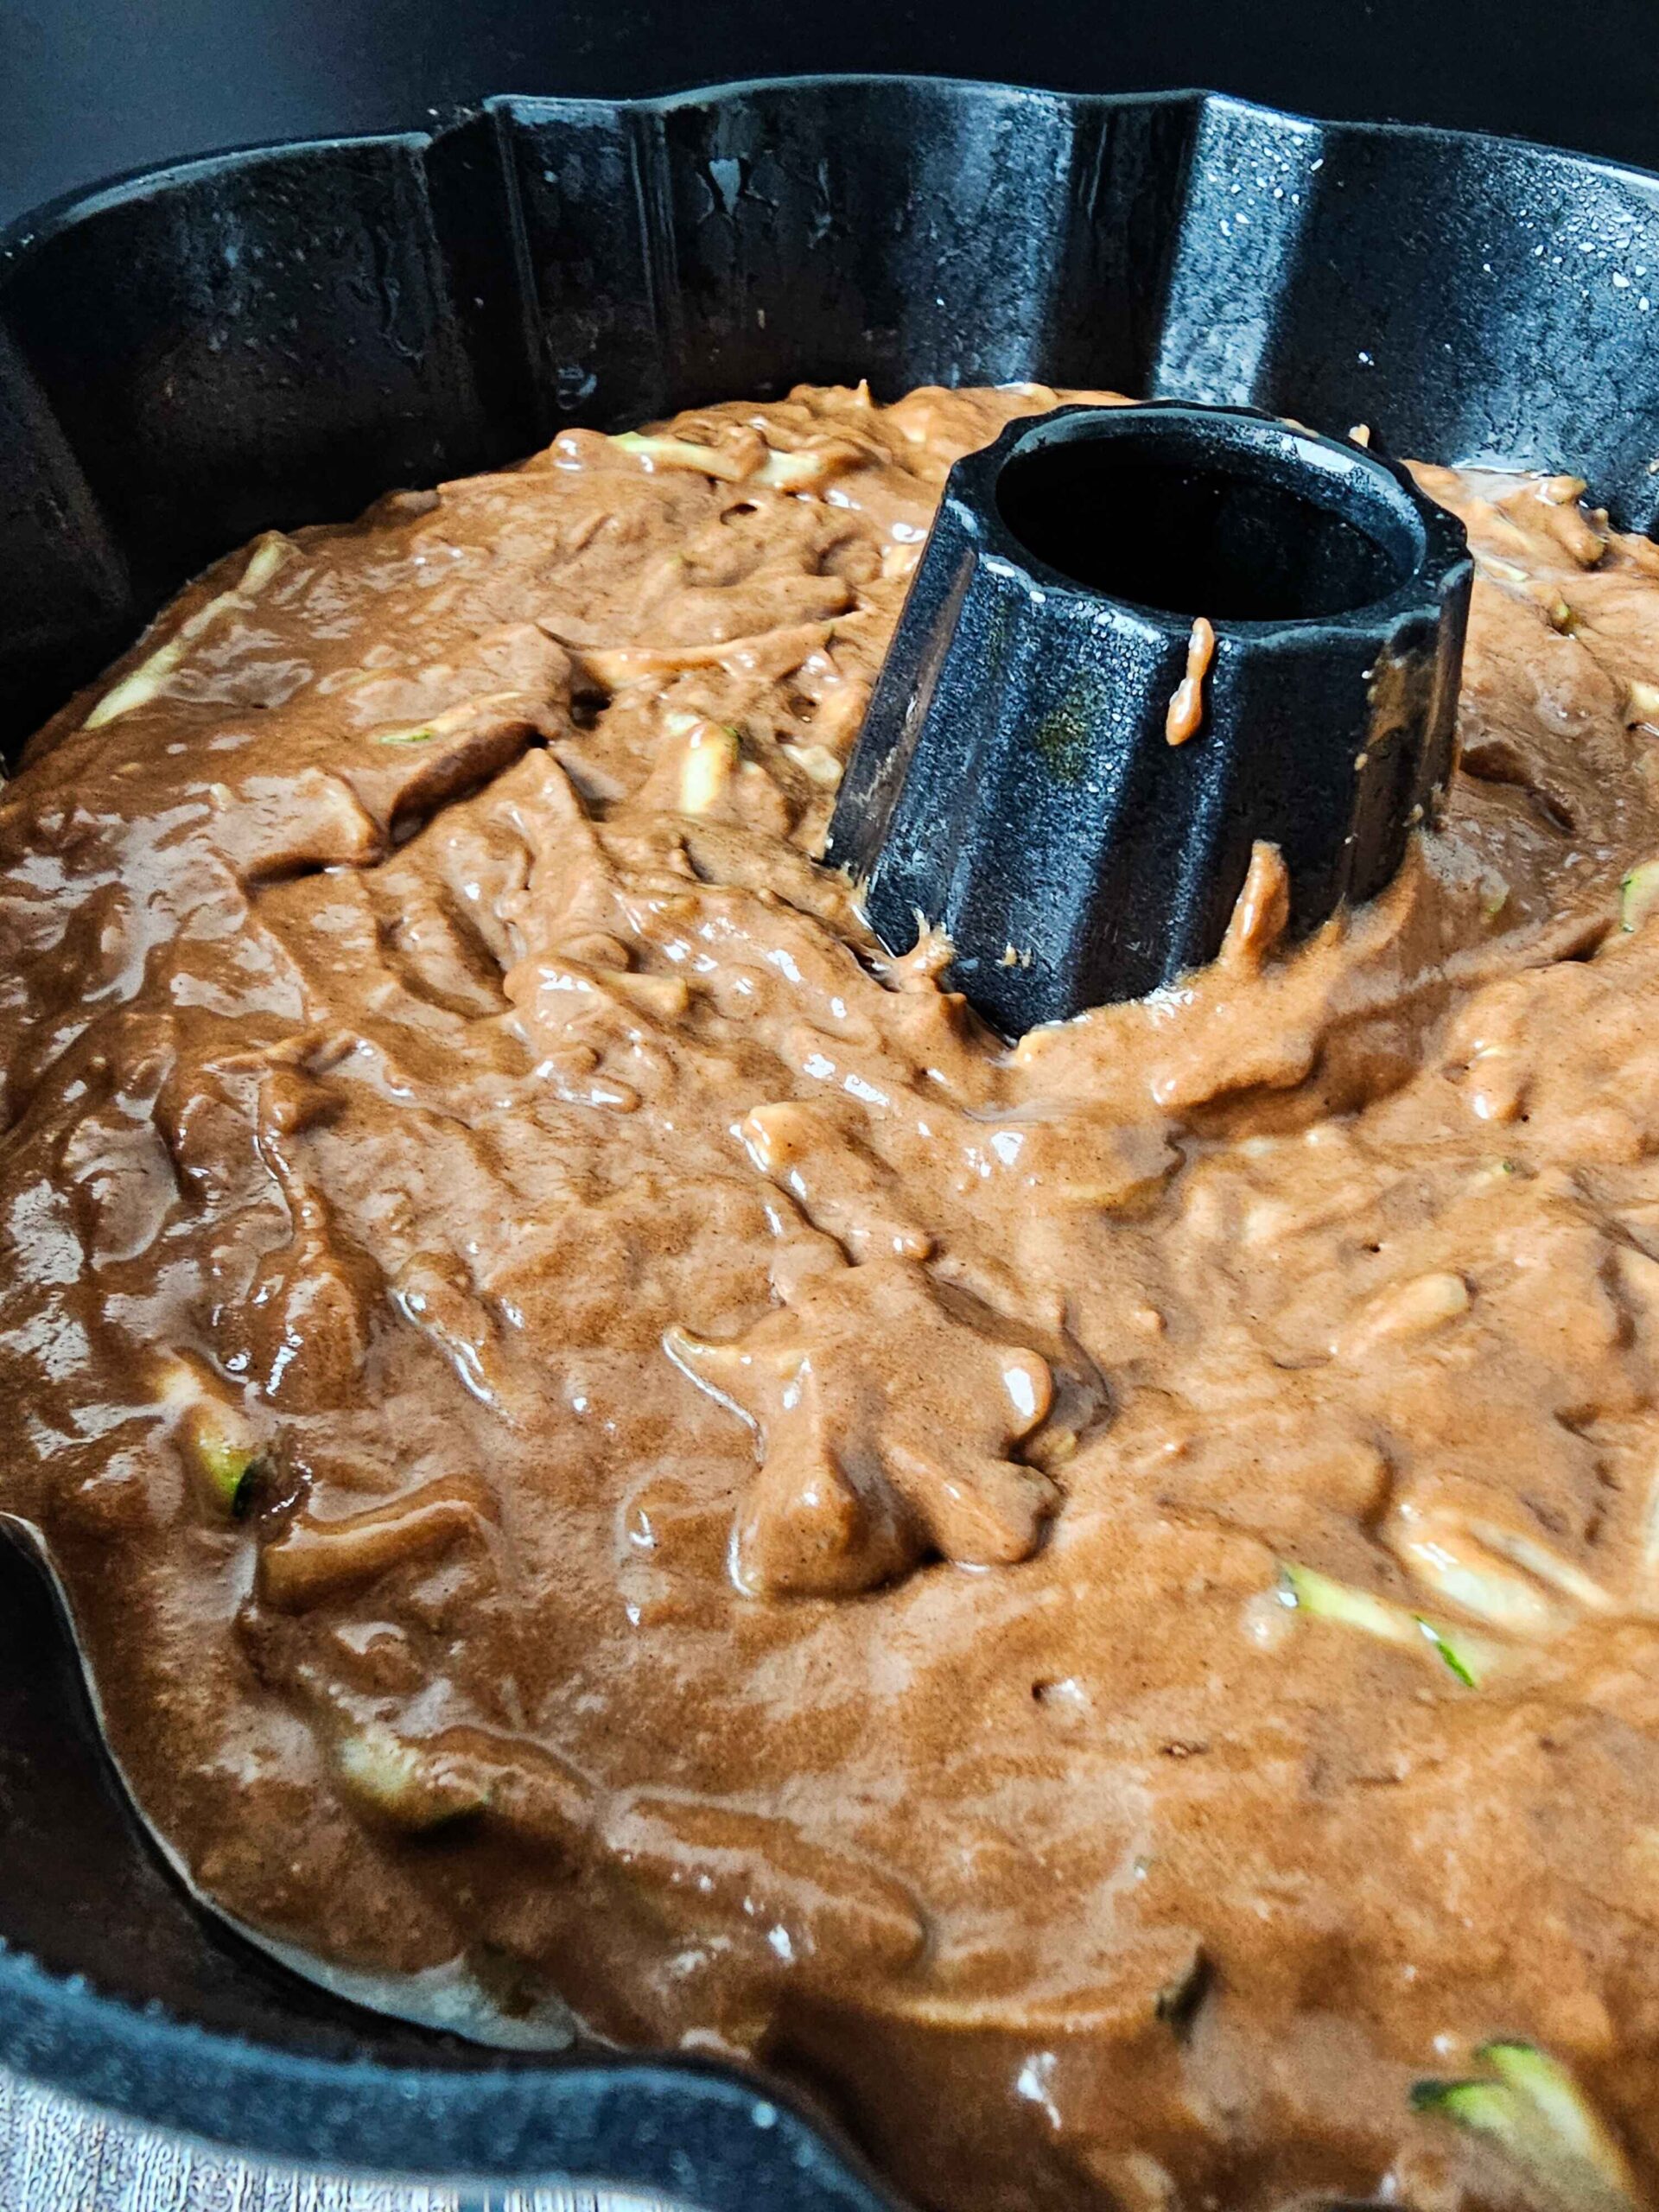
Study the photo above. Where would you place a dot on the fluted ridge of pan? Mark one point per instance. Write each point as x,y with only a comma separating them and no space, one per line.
272,336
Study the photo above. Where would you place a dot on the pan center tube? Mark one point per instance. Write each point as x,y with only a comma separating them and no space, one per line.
1140,639
1200,511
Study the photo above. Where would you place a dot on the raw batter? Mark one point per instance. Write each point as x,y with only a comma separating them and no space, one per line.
1098,1604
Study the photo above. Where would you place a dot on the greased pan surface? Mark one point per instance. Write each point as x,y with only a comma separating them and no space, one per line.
274,337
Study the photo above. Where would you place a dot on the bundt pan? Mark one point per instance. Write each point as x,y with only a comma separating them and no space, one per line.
269,338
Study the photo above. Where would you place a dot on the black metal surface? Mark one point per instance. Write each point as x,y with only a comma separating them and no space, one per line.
270,338
1013,783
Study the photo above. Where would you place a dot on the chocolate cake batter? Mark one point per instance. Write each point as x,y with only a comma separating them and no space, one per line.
1098,1603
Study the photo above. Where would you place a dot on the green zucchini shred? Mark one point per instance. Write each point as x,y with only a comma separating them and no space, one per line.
217,1439
1488,2107
1536,2116
1456,1662
230,1472
1324,1598
1639,894
1562,2107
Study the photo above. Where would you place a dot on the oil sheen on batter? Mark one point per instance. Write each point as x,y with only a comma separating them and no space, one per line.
1096,1603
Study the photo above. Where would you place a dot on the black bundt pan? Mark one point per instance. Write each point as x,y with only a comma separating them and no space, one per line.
270,338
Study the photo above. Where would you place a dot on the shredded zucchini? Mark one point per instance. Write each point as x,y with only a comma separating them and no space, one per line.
778,472
458,720
1324,1598
401,1782
1483,2108
801,471
1545,1566
1639,894
1497,1575
1449,1653
1535,2114
680,453
820,766
216,1435
141,684
710,762
229,1466
1561,2105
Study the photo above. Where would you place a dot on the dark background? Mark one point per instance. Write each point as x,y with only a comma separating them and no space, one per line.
88,87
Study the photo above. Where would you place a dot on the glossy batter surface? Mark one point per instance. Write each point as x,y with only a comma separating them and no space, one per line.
1098,1603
